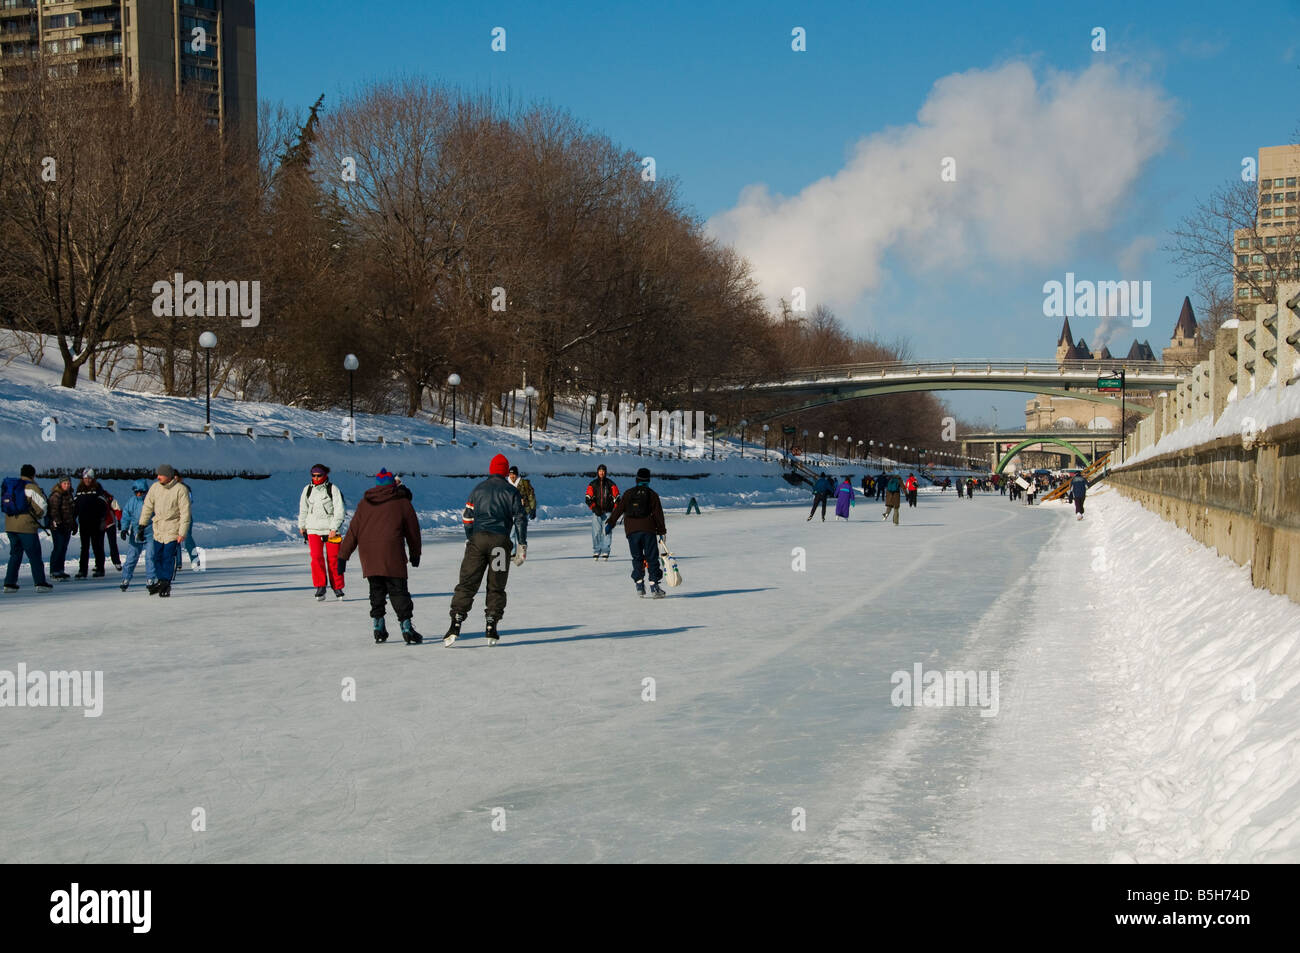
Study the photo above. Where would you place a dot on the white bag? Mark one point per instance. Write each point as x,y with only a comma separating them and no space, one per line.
672,575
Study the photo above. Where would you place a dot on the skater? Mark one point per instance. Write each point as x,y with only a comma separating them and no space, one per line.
192,549
24,505
602,495
321,511
643,524
167,507
384,528
63,523
527,497
893,487
91,503
910,485
1078,490
961,488
493,510
692,505
822,490
112,523
843,500
131,518
881,480
868,487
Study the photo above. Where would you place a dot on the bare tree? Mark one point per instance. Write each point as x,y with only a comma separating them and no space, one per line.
114,189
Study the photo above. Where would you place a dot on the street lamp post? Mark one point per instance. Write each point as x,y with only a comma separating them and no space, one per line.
835,446
350,364
743,425
821,434
529,393
766,428
207,341
713,420
454,381
860,452
591,415
640,425
804,448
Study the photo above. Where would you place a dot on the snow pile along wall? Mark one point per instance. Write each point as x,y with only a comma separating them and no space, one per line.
1204,721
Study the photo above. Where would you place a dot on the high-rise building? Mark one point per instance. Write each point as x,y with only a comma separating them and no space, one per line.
206,46
1271,251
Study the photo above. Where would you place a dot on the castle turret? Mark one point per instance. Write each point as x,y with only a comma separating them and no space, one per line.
1185,345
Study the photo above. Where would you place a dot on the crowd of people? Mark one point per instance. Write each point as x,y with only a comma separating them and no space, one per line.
155,522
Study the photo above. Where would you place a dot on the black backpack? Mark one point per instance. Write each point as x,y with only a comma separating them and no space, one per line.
636,502
329,496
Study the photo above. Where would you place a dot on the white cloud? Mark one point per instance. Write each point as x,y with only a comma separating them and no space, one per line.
1037,165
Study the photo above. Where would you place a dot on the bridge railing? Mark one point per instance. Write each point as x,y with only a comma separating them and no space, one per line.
883,369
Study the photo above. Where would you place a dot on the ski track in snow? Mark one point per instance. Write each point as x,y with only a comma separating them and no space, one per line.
772,693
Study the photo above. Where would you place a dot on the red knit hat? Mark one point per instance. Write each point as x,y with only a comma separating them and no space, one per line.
499,466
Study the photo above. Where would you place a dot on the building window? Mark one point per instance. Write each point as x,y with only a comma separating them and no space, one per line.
1277,183
1290,211
1270,241
1266,198
1266,213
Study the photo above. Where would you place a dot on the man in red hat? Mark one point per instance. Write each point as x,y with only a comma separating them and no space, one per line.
494,507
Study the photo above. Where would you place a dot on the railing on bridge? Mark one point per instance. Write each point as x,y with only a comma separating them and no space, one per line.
883,369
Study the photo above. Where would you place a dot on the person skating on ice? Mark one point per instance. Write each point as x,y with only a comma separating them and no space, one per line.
24,506
602,494
642,513
130,536
167,508
822,490
384,529
493,511
844,496
321,512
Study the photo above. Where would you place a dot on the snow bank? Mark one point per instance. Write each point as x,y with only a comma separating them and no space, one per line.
62,431
1204,726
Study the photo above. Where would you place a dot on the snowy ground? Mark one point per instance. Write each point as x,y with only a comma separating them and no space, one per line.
772,702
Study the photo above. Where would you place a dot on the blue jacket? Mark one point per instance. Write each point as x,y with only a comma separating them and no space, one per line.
1079,486
824,485
131,509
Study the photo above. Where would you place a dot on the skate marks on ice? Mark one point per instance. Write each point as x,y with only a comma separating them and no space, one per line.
953,786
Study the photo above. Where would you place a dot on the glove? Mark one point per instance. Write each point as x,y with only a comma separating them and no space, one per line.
139,535
532,514
123,535
520,553
609,529
415,560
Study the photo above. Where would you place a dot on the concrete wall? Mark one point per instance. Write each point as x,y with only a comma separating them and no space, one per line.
1238,492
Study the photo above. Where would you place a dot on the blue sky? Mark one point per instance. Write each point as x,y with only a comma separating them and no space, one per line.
714,92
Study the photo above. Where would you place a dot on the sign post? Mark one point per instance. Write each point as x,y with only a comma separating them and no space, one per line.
1109,385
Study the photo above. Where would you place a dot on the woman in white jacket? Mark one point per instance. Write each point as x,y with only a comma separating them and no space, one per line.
320,517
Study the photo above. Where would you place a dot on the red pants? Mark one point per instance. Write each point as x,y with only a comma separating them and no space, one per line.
324,554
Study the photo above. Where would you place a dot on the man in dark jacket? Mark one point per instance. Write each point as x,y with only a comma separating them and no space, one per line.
91,503
63,523
384,520
643,522
602,495
1078,490
822,489
893,487
880,485
493,510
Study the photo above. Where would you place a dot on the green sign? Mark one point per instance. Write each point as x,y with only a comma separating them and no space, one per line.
787,430
1108,383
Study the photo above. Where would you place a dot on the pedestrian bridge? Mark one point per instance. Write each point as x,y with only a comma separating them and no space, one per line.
818,386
